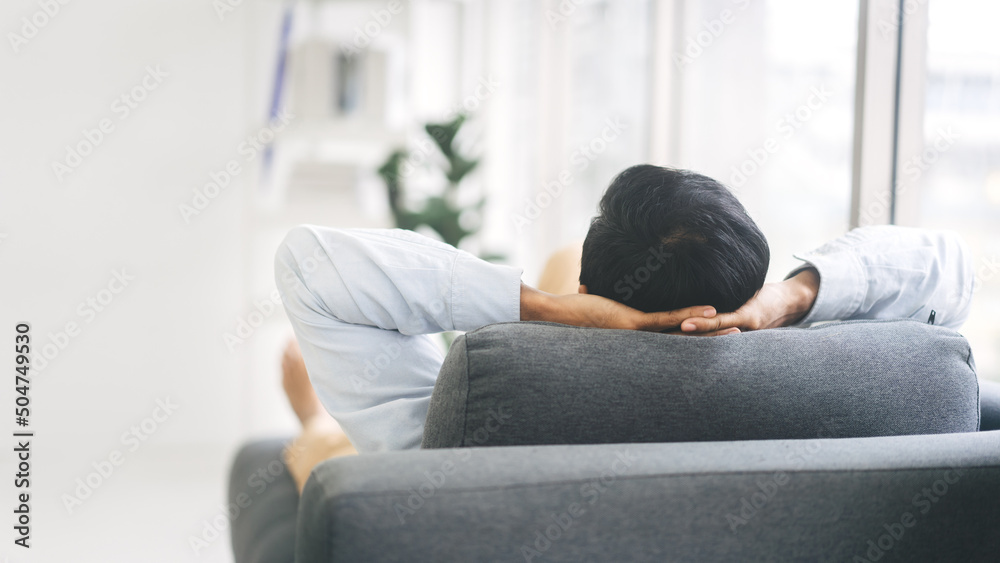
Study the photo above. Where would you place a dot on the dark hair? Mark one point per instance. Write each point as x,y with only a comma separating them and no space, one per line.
666,239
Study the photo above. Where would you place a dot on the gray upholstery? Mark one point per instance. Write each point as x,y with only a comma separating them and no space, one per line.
542,383
263,529
821,500
778,482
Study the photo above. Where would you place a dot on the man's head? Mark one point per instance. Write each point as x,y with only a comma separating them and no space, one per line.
666,239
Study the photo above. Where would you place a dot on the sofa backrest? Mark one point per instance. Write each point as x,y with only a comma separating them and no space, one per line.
542,383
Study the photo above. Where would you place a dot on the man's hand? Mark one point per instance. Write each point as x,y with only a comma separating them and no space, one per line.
775,305
600,312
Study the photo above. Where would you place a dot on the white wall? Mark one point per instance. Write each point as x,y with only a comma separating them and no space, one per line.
161,336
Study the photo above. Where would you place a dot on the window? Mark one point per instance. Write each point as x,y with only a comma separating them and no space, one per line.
955,180
759,94
767,105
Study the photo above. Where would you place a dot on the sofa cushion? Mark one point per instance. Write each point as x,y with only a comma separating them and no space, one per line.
900,498
543,383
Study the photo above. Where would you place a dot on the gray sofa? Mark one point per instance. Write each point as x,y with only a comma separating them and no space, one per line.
844,442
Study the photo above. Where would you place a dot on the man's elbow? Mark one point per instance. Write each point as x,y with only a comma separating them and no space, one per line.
956,254
957,263
300,254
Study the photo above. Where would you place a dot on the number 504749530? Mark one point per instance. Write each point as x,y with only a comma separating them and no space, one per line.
22,361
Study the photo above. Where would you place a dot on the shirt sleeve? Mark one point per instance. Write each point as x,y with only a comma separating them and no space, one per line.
887,272
363,303
399,280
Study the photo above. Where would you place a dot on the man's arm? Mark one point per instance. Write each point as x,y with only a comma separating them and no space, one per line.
882,272
364,302
600,312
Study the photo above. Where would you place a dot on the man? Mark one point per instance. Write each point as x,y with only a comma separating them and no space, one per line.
675,244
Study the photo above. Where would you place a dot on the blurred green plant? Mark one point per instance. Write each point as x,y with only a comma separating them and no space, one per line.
441,212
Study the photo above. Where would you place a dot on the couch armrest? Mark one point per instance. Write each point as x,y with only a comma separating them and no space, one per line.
262,506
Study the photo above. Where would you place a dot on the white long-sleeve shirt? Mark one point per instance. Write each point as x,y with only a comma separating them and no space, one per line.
363,304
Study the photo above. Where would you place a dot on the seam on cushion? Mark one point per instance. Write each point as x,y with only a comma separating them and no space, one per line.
460,490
